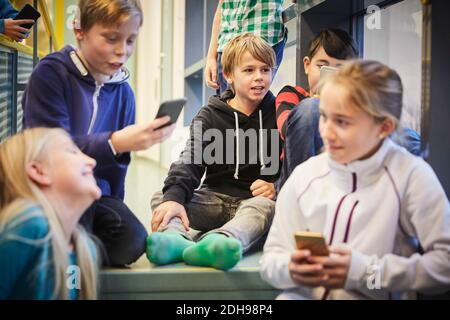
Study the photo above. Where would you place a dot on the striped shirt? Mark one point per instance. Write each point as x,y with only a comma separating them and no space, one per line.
287,99
260,17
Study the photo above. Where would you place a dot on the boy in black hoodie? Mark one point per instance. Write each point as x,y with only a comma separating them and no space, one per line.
234,206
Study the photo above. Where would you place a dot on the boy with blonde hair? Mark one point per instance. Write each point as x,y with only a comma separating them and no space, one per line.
234,207
85,91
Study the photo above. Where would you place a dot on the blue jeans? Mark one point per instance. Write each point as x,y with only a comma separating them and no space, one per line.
122,236
279,51
247,220
303,140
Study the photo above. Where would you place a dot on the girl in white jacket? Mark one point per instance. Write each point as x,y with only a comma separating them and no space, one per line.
376,204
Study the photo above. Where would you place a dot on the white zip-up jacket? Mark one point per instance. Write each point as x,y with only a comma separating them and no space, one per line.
381,208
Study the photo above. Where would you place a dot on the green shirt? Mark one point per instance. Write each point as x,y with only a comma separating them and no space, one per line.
26,256
260,17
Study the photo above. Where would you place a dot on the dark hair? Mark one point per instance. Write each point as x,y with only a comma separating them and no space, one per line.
337,44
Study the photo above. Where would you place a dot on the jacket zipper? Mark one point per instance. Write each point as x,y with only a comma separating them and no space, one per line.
347,229
95,106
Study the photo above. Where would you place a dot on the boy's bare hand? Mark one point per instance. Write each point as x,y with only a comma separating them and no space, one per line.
15,31
305,272
211,73
263,189
166,211
140,137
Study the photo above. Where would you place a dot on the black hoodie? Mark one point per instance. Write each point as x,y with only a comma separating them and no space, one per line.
222,174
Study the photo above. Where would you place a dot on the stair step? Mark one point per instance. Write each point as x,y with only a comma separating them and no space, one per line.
180,281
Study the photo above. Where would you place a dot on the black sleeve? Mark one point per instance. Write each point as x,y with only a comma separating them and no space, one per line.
186,173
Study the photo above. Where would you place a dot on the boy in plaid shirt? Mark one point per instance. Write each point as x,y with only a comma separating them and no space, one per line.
233,17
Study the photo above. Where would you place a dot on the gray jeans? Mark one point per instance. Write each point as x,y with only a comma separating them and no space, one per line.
247,220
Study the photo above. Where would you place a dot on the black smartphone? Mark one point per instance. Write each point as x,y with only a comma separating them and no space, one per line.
28,12
171,108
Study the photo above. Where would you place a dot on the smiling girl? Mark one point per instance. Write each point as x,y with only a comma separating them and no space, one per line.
376,204
46,184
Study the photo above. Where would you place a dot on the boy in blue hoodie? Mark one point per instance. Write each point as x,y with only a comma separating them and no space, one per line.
235,140
85,91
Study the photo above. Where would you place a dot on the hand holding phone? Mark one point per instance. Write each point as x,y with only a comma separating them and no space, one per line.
137,137
28,13
14,30
307,268
171,108
312,241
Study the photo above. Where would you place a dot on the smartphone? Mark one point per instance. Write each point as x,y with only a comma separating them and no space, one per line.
325,71
28,12
312,241
171,108
289,13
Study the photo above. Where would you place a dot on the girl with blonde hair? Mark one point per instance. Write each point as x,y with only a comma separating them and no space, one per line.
46,183
382,210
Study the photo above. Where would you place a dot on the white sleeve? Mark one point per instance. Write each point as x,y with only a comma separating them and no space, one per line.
280,242
426,210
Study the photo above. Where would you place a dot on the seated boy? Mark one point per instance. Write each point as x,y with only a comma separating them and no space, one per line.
234,138
298,108
85,90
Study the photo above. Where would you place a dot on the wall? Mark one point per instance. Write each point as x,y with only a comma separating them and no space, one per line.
159,76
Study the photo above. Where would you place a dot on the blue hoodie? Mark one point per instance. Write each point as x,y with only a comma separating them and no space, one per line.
7,11
61,93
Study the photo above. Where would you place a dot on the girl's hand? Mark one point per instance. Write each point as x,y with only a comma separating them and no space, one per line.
305,273
335,267
263,189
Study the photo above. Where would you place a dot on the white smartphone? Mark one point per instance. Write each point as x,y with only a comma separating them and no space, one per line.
325,71
313,241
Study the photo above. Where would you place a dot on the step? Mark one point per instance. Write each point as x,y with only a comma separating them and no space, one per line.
144,280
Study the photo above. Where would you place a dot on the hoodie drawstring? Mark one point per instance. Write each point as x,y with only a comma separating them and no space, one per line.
236,121
261,144
98,87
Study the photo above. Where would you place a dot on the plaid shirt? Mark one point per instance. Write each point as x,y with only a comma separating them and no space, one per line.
260,17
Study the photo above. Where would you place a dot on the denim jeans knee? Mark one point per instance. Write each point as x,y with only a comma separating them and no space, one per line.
302,137
251,221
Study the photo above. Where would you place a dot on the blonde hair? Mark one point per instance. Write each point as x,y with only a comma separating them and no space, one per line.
371,86
108,12
18,193
243,43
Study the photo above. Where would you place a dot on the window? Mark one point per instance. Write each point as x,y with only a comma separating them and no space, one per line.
5,94
398,43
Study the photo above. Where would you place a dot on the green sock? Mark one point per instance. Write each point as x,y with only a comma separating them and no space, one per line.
166,247
215,250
